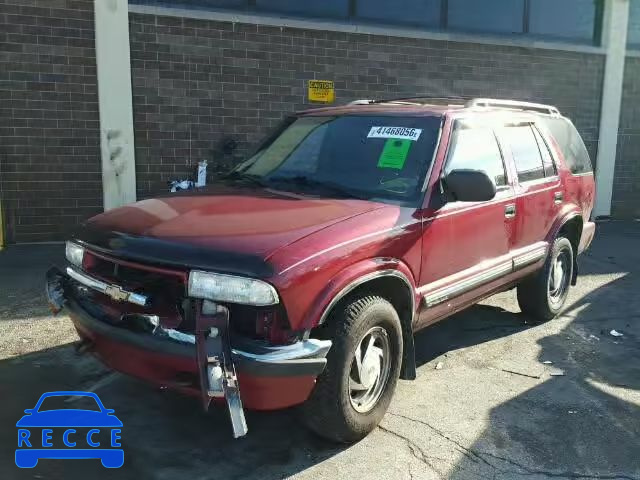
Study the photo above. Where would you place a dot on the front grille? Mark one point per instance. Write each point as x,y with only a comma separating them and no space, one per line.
165,288
167,291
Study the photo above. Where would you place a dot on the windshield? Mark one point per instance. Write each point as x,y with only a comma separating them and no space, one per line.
372,157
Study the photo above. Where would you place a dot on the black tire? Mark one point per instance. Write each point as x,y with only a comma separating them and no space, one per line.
534,295
329,411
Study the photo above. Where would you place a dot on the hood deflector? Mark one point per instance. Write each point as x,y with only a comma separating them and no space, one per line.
174,254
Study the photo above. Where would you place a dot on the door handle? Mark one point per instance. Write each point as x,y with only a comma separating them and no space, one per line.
558,197
510,210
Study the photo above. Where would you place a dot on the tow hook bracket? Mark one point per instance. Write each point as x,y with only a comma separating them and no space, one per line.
54,288
217,372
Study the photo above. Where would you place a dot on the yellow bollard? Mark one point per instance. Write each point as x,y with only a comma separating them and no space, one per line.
1,228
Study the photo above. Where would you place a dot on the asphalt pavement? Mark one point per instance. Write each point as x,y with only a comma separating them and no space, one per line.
496,396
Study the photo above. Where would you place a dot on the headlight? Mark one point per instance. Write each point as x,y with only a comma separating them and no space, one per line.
74,253
229,288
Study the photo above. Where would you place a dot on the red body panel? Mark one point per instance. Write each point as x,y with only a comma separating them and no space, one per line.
321,265
179,373
239,220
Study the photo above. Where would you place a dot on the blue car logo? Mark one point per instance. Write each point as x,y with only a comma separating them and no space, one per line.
84,433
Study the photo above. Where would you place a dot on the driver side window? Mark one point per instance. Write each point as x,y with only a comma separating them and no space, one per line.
476,148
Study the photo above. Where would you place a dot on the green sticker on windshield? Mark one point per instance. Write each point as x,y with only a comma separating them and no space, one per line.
394,153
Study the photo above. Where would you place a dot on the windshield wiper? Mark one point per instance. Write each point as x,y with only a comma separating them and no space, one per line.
245,177
304,181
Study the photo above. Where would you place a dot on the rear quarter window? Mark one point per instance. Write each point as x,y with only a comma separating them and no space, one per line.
571,145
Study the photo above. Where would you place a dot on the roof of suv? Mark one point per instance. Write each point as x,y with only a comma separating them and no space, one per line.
383,109
430,106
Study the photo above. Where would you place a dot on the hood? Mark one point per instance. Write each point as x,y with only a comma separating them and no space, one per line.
222,219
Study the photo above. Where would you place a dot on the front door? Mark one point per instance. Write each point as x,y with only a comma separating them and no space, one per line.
467,244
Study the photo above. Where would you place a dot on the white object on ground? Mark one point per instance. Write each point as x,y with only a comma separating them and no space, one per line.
178,185
615,333
202,174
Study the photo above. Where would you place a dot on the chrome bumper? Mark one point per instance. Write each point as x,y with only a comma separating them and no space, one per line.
116,292
246,351
219,352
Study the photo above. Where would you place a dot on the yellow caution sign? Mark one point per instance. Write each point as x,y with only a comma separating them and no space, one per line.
322,91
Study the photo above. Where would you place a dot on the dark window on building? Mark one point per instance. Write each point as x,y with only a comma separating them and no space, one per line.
633,37
525,151
425,13
194,4
495,16
547,158
564,19
477,149
324,8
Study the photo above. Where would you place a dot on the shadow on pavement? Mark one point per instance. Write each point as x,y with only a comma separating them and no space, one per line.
586,423
479,324
168,435
22,269
165,435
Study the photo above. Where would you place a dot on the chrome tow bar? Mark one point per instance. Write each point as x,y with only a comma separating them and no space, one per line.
217,372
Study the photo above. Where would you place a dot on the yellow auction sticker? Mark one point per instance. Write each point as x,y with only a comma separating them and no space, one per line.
321,91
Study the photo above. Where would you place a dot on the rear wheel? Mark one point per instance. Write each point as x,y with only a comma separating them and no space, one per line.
354,391
543,295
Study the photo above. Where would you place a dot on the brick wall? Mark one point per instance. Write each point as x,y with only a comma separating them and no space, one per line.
50,174
626,183
197,82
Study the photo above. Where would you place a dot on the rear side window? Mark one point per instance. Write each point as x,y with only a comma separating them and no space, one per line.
476,149
571,145
525,151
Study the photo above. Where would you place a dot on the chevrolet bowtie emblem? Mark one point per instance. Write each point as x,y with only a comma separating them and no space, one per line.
117,293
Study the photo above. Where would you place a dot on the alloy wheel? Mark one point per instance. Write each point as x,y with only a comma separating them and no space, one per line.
559,276
370,369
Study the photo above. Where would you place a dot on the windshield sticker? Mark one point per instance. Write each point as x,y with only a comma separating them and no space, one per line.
395,132
394,154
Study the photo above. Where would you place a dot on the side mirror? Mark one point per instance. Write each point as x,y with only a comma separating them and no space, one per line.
467,185
29,411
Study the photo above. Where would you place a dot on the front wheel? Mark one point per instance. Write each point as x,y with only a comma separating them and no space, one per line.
543,295
354,391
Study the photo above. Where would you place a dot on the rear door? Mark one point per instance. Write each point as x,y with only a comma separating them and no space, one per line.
538,189
466,244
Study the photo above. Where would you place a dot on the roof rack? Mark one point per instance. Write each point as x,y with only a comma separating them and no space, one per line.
466,101
416,100
514,105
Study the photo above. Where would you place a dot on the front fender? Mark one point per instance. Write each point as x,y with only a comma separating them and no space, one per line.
352,277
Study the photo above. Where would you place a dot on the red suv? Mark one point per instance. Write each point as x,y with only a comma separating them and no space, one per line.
300,277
